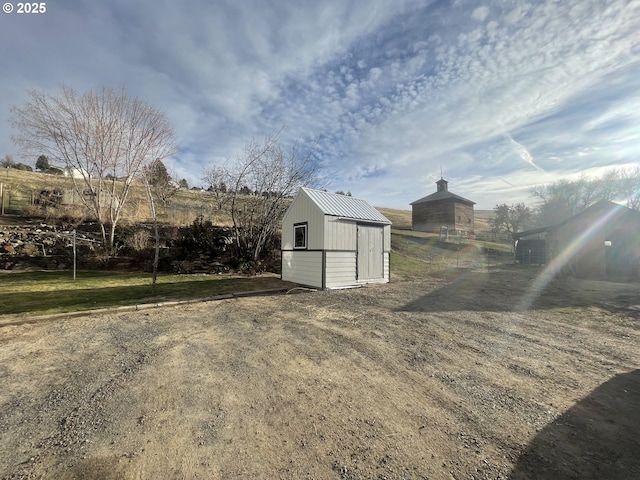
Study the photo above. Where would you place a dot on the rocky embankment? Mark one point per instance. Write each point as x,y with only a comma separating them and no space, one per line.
38,245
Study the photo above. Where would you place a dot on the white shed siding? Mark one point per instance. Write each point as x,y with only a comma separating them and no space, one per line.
385,278
387,239
370,252
302,267
303,210
339,234
341,269
386,266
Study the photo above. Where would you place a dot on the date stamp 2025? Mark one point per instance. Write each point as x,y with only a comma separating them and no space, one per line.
27,8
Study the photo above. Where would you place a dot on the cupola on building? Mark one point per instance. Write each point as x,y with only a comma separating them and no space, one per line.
442,209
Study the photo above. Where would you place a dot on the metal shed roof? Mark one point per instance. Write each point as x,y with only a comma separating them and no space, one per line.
344,206
603,210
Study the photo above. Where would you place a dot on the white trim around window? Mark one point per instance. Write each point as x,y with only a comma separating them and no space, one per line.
300,236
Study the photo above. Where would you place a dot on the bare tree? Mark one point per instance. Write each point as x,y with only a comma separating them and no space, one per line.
104,137
156,178
606,187
8,162
511,218
562,199
630,187
217,177
274,174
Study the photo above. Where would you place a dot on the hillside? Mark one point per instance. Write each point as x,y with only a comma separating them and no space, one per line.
23,186
401,219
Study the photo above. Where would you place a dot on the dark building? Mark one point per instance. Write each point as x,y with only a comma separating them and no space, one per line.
602,241
442,209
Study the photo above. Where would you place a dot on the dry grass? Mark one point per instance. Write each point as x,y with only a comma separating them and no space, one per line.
35,181
401,219
185,205
482,219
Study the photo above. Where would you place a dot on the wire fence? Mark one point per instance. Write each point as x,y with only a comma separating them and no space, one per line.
14,201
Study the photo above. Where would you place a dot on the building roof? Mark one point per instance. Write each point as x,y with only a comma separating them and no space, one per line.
604,208
344,206
443,195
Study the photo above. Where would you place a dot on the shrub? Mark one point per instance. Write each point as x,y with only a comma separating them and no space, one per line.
31,211
23,166
138,240
204,236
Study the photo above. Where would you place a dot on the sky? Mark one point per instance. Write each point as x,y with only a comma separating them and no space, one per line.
497,96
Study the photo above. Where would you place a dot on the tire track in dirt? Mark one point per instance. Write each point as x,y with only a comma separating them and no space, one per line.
78,405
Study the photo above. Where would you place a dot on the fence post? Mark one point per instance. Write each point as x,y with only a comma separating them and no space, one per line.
2,199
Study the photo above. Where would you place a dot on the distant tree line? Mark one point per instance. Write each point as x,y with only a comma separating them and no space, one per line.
560,200
9,162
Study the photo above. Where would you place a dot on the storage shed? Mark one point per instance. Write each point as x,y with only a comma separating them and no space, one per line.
334,241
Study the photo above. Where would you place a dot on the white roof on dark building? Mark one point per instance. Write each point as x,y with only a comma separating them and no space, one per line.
344,206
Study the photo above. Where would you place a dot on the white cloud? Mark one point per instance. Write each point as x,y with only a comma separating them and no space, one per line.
393,90
524,154
480,13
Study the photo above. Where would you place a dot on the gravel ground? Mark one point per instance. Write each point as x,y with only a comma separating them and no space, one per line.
458,375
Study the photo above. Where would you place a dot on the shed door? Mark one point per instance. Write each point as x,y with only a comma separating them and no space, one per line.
370,252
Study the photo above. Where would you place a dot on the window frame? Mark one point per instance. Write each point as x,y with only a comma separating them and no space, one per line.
305,228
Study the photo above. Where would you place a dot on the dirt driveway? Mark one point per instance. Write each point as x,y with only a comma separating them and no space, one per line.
464,375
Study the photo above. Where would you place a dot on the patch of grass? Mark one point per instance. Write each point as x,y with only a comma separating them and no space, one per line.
415,253
401,219
405,265
40,293
33,181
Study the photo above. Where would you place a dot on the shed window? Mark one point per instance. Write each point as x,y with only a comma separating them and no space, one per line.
300,236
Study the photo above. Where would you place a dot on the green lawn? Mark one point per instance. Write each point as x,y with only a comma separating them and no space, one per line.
418,253
38,293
